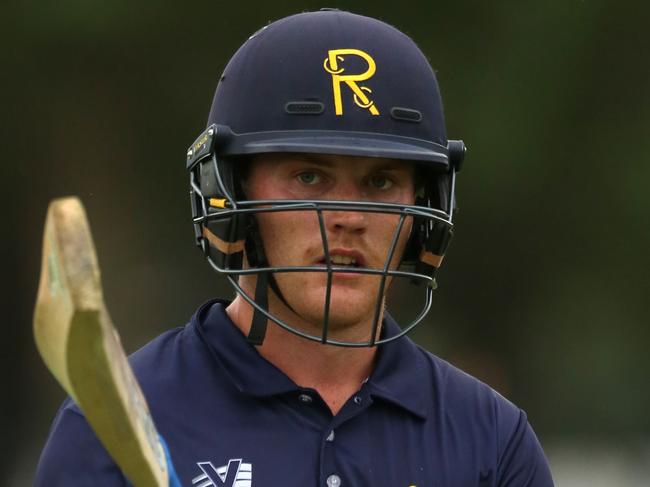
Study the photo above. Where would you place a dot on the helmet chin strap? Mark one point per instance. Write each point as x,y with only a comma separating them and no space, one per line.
265,280
257,331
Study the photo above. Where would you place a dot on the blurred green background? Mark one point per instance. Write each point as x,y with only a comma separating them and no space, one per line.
545,289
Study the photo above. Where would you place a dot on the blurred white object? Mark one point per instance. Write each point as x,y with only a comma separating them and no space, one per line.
587,464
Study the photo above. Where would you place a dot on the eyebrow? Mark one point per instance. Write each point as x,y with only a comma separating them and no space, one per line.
317,159
322,160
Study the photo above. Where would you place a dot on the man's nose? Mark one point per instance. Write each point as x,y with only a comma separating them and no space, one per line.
347,220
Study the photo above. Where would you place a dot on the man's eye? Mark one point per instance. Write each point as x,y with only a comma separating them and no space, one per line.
381,182
309,178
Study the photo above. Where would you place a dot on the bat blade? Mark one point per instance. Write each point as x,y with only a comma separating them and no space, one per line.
80,346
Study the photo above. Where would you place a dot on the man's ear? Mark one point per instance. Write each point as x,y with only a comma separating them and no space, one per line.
419,183
242,168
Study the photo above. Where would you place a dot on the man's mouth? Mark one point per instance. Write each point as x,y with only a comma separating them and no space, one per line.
344,258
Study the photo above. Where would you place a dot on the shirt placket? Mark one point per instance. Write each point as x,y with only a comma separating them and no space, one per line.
332,472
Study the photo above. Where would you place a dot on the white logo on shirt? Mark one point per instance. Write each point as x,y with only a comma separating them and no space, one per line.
235,474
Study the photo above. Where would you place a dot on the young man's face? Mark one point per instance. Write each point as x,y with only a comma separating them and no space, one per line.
355,239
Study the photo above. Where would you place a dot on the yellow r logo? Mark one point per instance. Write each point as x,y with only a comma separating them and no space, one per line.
331,65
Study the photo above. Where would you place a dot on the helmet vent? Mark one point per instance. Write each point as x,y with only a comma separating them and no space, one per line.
304,108
406,114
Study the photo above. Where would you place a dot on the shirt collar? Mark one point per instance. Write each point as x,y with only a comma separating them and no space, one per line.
399,375
250,372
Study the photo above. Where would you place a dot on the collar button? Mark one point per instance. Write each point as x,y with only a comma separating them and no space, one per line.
305,398
333,481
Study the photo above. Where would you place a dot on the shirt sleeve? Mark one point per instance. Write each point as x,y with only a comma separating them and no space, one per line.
522,462
74,457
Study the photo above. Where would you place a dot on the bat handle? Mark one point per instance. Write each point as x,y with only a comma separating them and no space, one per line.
171,471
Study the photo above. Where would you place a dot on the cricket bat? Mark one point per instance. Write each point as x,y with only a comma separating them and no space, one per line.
82,349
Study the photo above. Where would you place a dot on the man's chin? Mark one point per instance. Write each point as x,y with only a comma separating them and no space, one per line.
341,331
352,306
345,313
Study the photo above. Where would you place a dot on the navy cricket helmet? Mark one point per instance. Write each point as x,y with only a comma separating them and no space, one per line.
326,82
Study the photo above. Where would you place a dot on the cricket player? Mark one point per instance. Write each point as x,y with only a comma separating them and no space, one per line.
324,178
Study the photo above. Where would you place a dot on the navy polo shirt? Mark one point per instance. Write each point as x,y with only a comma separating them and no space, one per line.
232,419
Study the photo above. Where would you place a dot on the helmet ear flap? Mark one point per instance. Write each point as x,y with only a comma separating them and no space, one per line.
427,245
435,241
222,233
430,237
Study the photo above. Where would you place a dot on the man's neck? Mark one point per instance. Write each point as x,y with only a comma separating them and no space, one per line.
335,372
